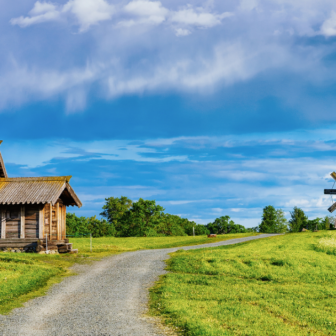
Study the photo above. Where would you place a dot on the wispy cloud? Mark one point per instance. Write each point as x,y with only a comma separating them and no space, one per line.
86,12
208,188
205,48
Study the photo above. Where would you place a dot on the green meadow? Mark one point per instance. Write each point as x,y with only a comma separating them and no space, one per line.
284,285
117,245
27,275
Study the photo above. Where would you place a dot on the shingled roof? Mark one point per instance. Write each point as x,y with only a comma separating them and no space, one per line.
3,172
37,190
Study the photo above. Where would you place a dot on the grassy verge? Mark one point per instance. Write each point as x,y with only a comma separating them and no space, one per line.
24,276
282,285
117,245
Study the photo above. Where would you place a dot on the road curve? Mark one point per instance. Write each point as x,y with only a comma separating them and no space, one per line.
108,297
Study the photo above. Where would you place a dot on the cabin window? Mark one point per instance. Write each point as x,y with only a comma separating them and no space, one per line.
13,214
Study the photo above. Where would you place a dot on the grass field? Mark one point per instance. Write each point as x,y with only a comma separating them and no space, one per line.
115,245
24,276
283,285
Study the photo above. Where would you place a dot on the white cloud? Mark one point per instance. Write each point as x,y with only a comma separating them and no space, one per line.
200,18
140,49
149,11
41,12
182,32
89,12
42,7
328,27
237,209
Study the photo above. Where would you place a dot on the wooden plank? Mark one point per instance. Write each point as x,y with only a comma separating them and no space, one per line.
50,221
329,191
64,223
41,223
332,208
22,222
3,224
58,227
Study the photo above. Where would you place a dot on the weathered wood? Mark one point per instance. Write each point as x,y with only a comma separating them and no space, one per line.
41,223
15,240
64,223
3,224
50,221
22,222
58,225
332,208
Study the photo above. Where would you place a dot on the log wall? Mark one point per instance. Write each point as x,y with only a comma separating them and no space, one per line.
54,221
33,221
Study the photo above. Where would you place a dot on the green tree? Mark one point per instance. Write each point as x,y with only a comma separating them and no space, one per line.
141,219
201,230
82,226
76,226
298,221
268,223
328,222
223,225
115,209
281,223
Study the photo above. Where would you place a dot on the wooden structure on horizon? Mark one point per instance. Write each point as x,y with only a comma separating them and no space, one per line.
32,208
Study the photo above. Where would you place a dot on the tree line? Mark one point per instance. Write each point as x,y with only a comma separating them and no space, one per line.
274,221
123,218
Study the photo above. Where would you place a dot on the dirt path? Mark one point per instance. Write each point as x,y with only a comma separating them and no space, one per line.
108,297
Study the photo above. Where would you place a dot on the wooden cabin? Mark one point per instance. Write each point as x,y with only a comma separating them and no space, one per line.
33,209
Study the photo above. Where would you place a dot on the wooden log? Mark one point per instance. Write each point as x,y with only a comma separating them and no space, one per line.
50,221
64,223
3,224
58,222
40,223
332,208
22,222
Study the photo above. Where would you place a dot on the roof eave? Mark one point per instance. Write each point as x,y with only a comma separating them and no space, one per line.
2,165
67,186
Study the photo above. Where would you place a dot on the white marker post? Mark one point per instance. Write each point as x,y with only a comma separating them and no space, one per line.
194,231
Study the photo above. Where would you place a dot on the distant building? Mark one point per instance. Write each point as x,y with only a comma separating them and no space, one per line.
33,208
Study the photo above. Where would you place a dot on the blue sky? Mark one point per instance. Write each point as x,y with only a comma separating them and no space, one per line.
209,107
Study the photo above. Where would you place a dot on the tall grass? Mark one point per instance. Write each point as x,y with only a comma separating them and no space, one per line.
327,244
275,286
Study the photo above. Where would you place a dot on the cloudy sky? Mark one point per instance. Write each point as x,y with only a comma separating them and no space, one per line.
209,107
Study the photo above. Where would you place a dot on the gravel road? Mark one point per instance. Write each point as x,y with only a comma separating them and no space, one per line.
108,297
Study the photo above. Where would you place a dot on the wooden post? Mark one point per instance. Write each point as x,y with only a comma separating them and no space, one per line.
23,222
41,223
3,224
58,225
64,222
50,222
